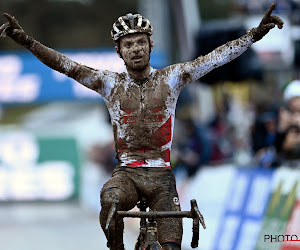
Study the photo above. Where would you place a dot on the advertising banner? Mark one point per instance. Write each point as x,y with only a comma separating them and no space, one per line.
276,219
293,229
245,209
38,168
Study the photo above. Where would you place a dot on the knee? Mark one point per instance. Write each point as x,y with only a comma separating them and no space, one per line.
171,246
109,195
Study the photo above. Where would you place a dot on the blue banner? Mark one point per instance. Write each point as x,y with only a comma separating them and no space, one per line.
247,201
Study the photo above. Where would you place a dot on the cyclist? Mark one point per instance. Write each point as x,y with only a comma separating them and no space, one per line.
141,103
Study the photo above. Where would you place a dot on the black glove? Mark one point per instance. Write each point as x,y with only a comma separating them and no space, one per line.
15,31
268,22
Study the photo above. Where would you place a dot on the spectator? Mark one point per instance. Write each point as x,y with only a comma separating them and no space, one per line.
194,149
263,137
288,136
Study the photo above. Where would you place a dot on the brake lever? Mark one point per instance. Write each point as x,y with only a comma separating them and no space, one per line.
197,212
111,214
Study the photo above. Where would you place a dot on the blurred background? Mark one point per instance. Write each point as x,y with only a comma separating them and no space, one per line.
236,146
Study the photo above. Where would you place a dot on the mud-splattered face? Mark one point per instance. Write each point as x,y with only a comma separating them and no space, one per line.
135,50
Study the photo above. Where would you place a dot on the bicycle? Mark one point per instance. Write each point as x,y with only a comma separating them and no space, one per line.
148,239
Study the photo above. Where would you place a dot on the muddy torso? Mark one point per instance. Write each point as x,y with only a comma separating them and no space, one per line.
142,115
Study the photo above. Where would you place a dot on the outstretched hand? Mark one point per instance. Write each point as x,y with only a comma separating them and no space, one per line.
271,20
267,23
13,30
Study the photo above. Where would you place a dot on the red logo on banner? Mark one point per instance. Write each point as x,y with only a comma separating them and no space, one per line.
293,227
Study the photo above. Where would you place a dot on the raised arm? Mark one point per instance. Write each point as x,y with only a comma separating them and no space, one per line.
89,77
191,71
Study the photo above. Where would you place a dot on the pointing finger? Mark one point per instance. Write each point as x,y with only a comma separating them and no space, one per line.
270,10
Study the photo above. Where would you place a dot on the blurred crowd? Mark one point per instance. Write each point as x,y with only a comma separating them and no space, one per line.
276,131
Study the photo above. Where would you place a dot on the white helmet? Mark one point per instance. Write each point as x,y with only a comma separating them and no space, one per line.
292,90
130,24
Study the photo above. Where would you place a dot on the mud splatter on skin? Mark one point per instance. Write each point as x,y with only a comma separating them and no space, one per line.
121,188
142,101
135,50
99,81
204,64
156,185
162,95
186,77
143,113
142,106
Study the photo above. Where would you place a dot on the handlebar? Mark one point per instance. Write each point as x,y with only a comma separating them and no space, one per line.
194,213
156,214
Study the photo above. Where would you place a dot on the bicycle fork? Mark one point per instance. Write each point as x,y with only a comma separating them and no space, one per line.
148,231
152,235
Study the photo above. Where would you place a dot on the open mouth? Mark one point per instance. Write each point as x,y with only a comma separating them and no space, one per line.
137,58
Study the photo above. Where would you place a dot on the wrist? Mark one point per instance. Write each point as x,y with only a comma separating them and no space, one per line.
29,41
253,34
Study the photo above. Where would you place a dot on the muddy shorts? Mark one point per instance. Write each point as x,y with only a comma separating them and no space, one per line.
158,186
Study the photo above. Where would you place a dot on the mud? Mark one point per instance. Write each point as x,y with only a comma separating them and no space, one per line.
132,46
142,103
142,100
59,62
144,107
186,77
157,186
